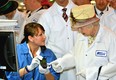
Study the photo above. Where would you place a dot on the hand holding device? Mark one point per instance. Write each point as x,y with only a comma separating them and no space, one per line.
35,62
44,70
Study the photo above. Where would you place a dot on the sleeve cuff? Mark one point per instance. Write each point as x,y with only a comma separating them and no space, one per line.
26,69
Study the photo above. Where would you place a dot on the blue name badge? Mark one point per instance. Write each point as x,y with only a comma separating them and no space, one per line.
101,53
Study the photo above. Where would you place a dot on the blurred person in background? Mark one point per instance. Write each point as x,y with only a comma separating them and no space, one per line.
9,11
35,10
109,19
101,7
59,36
94,54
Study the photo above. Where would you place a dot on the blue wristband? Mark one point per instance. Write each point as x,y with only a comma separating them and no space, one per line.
26,69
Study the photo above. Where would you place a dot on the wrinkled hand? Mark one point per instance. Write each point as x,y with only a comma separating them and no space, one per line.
57,65
35,62
43,71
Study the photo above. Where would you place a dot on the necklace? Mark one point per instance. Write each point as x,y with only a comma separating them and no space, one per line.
90,40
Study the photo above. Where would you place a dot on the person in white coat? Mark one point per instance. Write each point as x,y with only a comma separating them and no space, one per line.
109,19
35,11
94,54
59,36
15,15
10,12
101,7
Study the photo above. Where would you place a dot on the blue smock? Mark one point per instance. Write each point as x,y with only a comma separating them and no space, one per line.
24,59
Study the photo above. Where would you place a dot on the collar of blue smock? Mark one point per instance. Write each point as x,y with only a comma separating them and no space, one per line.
25,50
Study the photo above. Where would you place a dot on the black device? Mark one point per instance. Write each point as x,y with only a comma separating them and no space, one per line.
8,56
43,63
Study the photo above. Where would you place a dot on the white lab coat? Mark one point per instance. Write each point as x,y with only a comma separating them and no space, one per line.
60,37
35,15
88,59
97,11
109,19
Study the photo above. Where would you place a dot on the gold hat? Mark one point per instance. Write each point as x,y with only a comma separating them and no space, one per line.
81,14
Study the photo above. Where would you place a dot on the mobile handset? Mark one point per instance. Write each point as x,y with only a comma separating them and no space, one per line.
43,63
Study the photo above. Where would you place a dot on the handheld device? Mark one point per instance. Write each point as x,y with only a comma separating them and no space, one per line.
43,63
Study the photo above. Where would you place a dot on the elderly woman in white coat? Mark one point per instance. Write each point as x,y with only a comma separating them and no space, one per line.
94,54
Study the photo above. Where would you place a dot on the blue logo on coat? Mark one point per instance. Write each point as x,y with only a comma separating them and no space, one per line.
101,53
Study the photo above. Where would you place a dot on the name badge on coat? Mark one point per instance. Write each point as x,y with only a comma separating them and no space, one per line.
101,53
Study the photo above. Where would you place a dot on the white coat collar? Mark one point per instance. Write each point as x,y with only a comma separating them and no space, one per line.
35,11
56,9
99,34
98,11
111,12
